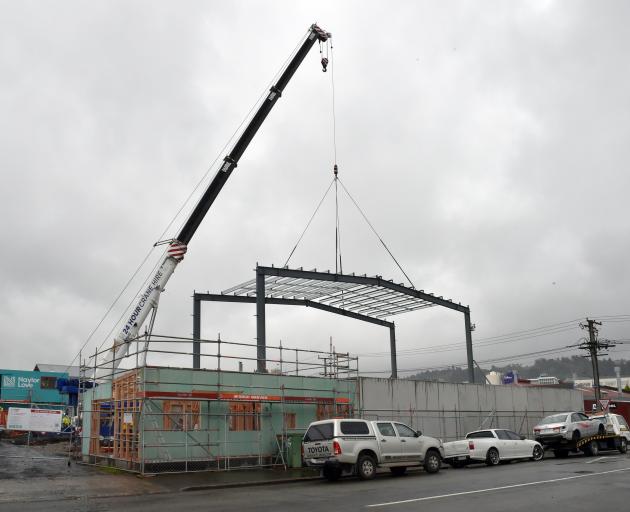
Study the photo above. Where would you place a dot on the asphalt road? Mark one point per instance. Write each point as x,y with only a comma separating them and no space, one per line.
567,485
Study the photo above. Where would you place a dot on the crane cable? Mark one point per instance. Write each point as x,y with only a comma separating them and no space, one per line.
380,239
286,263
326,60
338,269
338,259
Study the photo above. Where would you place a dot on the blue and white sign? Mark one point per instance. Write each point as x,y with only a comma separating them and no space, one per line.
8,381
19,382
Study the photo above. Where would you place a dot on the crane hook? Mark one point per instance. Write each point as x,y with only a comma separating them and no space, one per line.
324,64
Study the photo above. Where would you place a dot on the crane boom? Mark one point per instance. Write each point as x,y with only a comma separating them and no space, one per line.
147,302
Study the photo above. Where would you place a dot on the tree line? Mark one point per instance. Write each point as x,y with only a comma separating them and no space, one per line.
564,368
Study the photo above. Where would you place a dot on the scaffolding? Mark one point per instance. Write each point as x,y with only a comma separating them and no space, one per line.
151,419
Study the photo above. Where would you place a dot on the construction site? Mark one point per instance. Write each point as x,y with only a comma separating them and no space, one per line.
160,419
155,404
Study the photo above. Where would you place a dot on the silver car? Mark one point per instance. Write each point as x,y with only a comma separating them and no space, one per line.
567,427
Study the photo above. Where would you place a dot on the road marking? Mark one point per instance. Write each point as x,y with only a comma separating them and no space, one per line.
600,458
439,496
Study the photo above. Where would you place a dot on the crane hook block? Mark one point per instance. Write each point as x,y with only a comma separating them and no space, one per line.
336,170
324,64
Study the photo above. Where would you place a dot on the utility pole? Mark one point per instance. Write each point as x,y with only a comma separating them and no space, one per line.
593,346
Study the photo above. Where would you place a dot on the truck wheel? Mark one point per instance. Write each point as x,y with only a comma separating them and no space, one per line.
432,461
398,470
561,454
332,474
492,457
538,453
593,449
366,467
623,445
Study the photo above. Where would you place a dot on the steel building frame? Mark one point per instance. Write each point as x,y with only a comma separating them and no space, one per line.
369,299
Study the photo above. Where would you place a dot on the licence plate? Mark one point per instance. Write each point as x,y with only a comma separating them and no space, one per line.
317,451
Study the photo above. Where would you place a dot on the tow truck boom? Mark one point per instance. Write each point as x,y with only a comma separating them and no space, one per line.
147,302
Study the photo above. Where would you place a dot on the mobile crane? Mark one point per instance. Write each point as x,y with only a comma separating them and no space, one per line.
146,304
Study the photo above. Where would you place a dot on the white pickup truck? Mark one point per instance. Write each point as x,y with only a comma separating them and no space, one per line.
492,446
352,446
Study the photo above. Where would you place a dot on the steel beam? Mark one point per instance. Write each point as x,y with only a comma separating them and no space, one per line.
244,299
373,281
196,332
365,302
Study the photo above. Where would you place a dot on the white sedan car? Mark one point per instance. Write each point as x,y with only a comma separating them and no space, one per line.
492,446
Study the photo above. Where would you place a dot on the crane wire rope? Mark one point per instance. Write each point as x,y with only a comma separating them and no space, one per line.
174,218
338,259
286,263
376,233
337,181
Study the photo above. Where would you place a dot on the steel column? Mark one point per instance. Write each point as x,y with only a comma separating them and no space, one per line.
196,332
261,337
469,349
392,350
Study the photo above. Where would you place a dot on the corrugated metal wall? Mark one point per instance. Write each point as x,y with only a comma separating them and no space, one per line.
449,411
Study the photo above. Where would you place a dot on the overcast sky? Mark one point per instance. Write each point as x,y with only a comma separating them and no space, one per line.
487,142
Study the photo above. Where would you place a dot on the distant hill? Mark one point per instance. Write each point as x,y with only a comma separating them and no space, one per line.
564,368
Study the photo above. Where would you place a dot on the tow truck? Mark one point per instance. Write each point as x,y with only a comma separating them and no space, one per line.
576,432
147,302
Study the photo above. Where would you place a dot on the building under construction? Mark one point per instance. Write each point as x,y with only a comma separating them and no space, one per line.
159,419
163,418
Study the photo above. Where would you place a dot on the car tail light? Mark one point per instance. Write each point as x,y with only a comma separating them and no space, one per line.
336,448
471,445
536,431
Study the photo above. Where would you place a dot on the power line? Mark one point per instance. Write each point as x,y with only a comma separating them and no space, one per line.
509,337
514,357
479,344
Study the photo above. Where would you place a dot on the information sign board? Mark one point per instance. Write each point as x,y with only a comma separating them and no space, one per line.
35,420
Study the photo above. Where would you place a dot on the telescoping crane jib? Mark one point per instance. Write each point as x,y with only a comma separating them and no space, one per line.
147,302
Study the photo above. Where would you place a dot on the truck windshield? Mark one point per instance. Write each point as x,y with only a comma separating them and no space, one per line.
321,432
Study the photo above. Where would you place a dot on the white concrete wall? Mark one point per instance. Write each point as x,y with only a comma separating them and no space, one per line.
449,411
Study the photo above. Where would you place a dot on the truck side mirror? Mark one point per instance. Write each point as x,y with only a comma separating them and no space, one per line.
418,433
